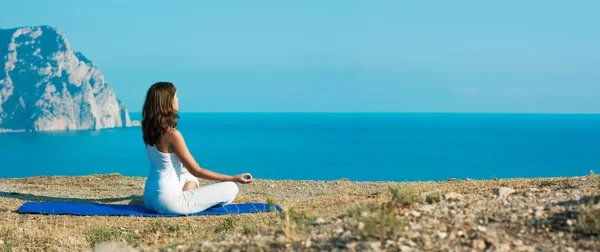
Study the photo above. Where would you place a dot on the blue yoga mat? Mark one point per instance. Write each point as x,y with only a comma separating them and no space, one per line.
132,210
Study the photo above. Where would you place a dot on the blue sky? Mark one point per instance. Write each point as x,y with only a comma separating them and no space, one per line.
339,56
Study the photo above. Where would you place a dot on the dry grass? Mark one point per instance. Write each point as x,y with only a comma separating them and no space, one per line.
304,201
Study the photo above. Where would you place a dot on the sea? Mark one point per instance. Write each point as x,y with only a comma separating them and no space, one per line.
330,146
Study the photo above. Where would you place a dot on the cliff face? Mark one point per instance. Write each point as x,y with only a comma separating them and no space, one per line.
45,86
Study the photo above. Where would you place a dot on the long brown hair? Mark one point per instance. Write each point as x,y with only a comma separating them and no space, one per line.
158,114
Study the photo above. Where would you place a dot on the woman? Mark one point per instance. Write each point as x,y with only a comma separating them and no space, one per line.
172,185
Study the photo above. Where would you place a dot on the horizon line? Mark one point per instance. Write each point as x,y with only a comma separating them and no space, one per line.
378,112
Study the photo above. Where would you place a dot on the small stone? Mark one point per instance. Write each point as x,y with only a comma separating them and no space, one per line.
452,179
351,245
136,231
415,213
338,230
504,247
570,249
1,242
517,242
524,248
481,228
414,235
533,189
561,234
503,191
452,196
478,244
347,234
468,179
405,248
411,243
426,208
361,226
375,245
442,235
113,246
389,242
308,243
282,239
318,221
20,230
570,222
460,233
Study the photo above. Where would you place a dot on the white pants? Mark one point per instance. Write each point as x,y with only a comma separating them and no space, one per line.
191,201
186,177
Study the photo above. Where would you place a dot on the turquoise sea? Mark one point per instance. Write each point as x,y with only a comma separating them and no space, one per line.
328,146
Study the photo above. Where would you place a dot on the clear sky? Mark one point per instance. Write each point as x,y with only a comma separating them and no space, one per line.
537,56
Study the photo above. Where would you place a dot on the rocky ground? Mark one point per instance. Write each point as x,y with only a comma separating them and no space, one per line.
553,214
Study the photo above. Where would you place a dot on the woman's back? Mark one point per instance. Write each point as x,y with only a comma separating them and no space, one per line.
164,173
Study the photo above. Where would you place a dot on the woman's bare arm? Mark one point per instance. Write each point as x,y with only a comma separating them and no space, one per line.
178,145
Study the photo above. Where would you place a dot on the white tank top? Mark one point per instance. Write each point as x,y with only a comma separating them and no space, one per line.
165,169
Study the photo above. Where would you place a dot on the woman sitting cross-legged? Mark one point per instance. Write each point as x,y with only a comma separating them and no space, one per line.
172,184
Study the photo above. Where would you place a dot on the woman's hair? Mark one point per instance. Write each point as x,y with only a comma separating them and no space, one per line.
158,114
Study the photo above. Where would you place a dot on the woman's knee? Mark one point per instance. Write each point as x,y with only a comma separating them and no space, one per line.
232,189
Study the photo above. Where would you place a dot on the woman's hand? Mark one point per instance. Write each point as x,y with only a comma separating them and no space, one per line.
243,178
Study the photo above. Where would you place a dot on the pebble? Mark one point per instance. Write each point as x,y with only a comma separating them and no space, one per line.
481,228
375,245
282,239
338,230
478,244
426,208
503,191
442,235
504,247
113,246
361,226
351,245
415,213
405,248
411,243
570,222
452,196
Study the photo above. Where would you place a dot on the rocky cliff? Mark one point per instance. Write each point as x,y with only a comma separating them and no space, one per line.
45,85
